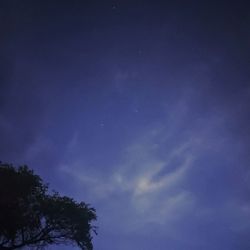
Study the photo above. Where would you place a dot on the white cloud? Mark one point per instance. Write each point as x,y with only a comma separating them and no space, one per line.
146,184
144,180
155,195
95,185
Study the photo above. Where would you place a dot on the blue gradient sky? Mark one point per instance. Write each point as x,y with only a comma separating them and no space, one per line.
140,108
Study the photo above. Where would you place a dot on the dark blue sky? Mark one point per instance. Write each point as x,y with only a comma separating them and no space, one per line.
140,108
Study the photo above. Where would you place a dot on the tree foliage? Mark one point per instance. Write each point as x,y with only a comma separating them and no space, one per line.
31,217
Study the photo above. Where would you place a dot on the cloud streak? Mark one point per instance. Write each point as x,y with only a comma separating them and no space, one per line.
146,181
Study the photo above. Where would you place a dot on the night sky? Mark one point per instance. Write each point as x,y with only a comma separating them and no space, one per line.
140,108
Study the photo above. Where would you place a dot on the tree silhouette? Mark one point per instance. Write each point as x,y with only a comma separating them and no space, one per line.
30,217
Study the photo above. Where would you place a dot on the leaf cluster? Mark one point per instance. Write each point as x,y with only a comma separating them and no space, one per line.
30,216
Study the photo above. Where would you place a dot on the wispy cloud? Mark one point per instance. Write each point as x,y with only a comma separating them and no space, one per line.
153,183
144,179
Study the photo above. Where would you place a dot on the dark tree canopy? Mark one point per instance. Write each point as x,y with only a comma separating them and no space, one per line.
31,217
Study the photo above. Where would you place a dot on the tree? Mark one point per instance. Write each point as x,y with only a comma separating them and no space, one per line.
31,217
